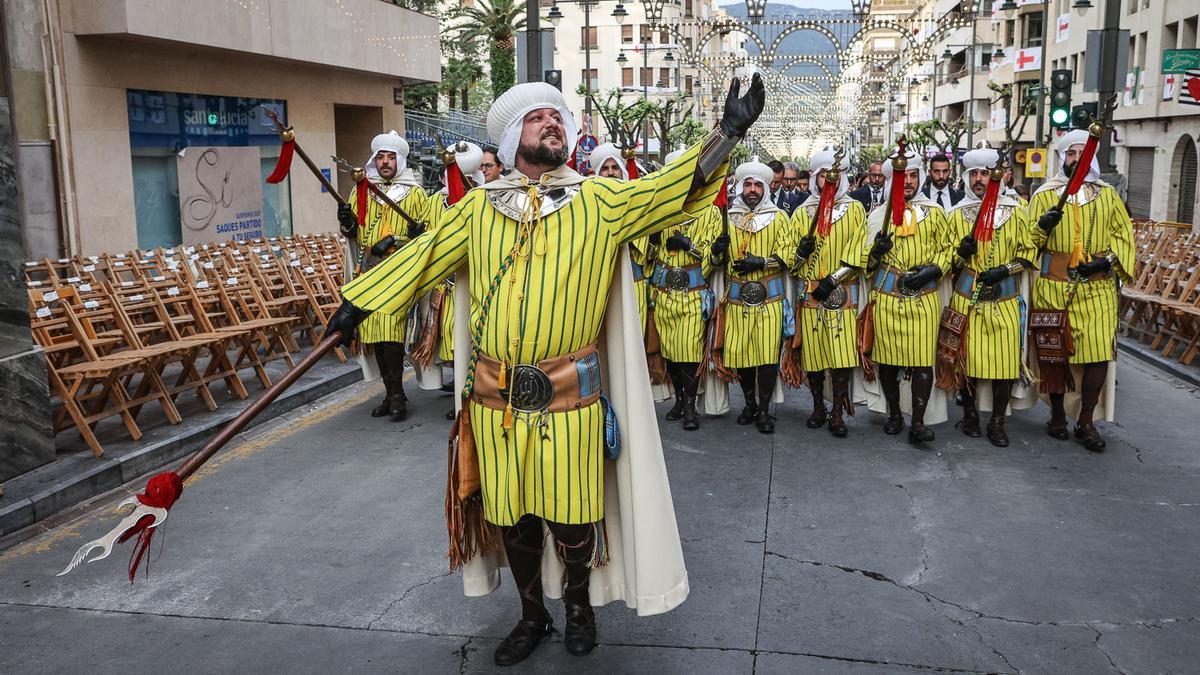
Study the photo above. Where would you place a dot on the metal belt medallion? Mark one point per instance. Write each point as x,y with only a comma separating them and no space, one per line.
836,300
531,389
753,293
678,279
905,290
989,293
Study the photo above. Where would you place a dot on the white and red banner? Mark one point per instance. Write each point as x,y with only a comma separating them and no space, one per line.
1189,92
1063,31
1169,82
1027,59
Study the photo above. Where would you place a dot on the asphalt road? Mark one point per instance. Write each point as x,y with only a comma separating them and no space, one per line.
317,547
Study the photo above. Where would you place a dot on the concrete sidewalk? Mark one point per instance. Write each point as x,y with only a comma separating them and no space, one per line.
318,546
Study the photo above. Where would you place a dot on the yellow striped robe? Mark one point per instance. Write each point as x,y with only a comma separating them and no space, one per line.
906,329
1103,225
678,316
754,335
643,266
556,471
995,336
828,339
445,350
382,221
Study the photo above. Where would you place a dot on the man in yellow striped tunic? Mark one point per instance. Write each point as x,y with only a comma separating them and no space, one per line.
679,282
828,298
987,289
761,250
541,245
381,234
1083,251
906,264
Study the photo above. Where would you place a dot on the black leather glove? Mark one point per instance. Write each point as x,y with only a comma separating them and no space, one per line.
679,242
750,263
967,248
655,239
382,246
883,244
415,230
347,221
808,246
720,245
345,320
1049,219
1097,265
743,111
920,276
993,276
824,289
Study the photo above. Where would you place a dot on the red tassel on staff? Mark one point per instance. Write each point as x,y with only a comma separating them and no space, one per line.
284,164
362,189
1084,165
631,167
825,208
985,222
454,183
161,492
897,195
721,201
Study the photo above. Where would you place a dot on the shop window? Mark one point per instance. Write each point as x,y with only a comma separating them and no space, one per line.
219,149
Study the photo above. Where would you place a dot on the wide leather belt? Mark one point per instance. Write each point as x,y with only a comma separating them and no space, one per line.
678,279
639,274
557,384
1005,290
887,281
842,297
755,293
1056,267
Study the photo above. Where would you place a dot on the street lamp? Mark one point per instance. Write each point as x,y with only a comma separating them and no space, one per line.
1082,6
1009,8
555,15
756,9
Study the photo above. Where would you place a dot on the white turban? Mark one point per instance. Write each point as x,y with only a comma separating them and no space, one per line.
672,156
605,152
982,157
390,142
1076,137
507,116
753,169
914,162
468,159
821,162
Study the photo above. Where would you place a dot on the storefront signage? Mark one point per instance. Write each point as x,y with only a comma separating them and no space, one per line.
220,193
1180,60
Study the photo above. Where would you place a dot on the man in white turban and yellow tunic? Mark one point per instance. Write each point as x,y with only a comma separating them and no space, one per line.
907,262
1083,251
682,265
832,227
761,250
382,232
554,370
991,255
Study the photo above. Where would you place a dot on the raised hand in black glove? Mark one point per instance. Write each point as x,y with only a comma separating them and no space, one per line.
720,245
415,229
824,289
345,320
883,244
382,246
920,276
656,239
346,219
994,275
679,242
1049,219
967,248
751,263
1097,265
743,111
808,246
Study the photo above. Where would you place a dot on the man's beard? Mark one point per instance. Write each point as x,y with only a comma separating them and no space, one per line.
752,200
386,173
940,184
541,155
909,193
1069,169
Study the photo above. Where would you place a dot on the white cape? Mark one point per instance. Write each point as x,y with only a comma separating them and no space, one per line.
645,567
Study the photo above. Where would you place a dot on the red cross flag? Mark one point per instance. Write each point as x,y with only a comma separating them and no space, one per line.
1189,93
1064,28
1028,59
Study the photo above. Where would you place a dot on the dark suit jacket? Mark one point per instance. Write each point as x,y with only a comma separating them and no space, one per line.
863,195
954,194
790,201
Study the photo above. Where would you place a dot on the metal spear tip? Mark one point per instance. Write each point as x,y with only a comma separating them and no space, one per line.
135,511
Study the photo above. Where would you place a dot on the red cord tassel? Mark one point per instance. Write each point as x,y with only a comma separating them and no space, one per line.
721,201
161,492
897,195
284,165
454,184
1084,165
825,208
362,189
985,222
631,168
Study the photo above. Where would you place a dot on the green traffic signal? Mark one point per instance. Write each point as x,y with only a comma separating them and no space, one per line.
1059,116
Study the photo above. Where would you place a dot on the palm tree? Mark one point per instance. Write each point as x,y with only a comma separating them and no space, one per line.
459,76
495,21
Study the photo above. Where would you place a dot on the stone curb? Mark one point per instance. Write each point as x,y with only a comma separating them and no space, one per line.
1189,374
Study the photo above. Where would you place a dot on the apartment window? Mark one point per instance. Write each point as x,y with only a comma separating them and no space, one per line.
664,77
591,78
627,77
688,84
587,38
687,9
1170,36
1188,38
646,77
645,34
664,37
1010,30
1033,30
626,35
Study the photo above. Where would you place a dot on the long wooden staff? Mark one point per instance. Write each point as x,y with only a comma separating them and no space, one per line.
359,176
283,166
1096,129
148,509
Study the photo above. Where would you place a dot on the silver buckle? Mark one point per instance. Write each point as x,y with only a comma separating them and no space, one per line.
836,300
530,389
677,279
753,293
1074,275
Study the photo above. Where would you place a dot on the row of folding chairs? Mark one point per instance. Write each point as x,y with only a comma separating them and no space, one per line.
1161,308
126,331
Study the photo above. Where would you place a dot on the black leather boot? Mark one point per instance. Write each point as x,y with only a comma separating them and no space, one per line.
766,389
691,418
816,385
841,402
1001,393
889,381
970,420
385,407
747,377
922,389
521,642
579,635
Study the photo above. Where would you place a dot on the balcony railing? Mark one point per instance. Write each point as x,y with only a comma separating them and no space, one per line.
423,129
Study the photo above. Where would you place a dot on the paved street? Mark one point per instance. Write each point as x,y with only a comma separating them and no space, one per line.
317,547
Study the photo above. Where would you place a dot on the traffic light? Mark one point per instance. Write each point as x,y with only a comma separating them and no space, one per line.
1083,114
1060,98
553,77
